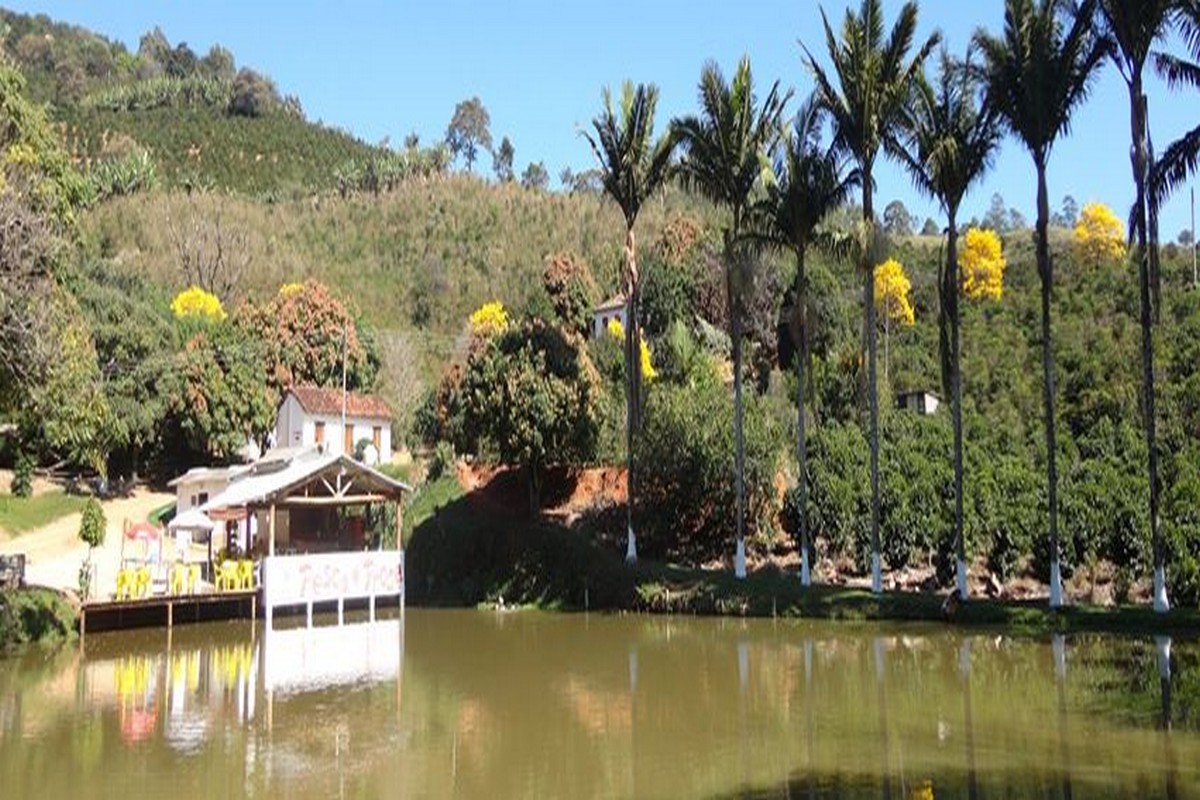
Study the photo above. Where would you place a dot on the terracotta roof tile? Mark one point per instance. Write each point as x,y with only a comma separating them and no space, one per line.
316,400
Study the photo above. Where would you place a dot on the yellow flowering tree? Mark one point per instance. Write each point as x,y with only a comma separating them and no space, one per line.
617,331
981,265
891,301
195,302
1099,235
490,319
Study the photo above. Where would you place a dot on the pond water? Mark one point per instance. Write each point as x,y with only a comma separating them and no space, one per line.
481,704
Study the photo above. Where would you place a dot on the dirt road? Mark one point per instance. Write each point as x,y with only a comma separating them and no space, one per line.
54,553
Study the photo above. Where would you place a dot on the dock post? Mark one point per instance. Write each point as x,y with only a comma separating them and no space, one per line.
341,605
309,613
372,607
170,615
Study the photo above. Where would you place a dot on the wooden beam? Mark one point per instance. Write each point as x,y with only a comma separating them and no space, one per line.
271,532
351,500
400,524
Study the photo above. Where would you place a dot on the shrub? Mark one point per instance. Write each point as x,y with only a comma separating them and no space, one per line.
442,462
684,481
22,482
92,526
252,95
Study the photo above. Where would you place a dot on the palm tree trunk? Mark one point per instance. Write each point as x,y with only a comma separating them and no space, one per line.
739,448
801,441
633,389
1140,156
952,285
872,393
1046,272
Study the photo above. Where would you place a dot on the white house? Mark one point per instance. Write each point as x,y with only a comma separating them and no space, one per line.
311,416
193,489
920,401
613,308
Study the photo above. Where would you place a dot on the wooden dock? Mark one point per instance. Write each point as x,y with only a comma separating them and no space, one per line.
167,610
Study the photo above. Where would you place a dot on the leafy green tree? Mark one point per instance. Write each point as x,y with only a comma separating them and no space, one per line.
868,105
502,161
686,493
951,143
532,393
572,290
92,525
633,166
535,177
218,399
996,219
897,221
1037,72
930,228
305,333
218,63
810,181
469,130
253,95
725,149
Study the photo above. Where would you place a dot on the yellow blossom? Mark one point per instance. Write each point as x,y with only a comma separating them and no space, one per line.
489,319
289,289
891,292
981,264
617,331
1099,235
195,302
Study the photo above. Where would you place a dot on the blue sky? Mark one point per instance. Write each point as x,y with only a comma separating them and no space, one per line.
384,69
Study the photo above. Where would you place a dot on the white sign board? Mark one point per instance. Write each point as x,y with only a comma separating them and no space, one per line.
307,579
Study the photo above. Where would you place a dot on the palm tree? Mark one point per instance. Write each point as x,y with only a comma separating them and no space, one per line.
633,166
1036,74
867,106
951,142
725,153
1133,27
808,184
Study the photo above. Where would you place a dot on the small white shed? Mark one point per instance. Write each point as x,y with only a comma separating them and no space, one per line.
918,401
606,312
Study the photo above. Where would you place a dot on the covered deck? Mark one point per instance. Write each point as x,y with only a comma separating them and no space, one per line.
305,518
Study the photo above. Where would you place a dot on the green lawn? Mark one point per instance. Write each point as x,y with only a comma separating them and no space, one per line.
23,514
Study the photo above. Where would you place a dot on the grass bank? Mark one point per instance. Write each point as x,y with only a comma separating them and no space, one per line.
459,555
23,514
34,616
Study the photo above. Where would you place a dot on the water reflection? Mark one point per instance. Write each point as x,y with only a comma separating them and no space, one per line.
476,704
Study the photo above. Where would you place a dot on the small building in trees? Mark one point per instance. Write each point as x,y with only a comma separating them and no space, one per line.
311,416
918,401
606,312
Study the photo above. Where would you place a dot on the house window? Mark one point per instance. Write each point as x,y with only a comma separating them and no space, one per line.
203,498
348,440
319,432
377,438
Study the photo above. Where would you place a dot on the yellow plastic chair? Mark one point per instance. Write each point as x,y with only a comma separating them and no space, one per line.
193,577
124,584
178,578
142,582
225,576
245,575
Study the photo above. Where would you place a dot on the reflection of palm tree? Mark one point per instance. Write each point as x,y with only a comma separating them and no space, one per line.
1163,645
964,670
724,153
1059,646
867,105
886,771
1036,75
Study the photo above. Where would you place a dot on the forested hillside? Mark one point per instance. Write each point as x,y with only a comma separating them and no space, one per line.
154,171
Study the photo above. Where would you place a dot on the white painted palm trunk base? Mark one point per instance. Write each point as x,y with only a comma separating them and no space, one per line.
1056,599
739,560
876,574
1161,604
631,547
962,579
805,577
